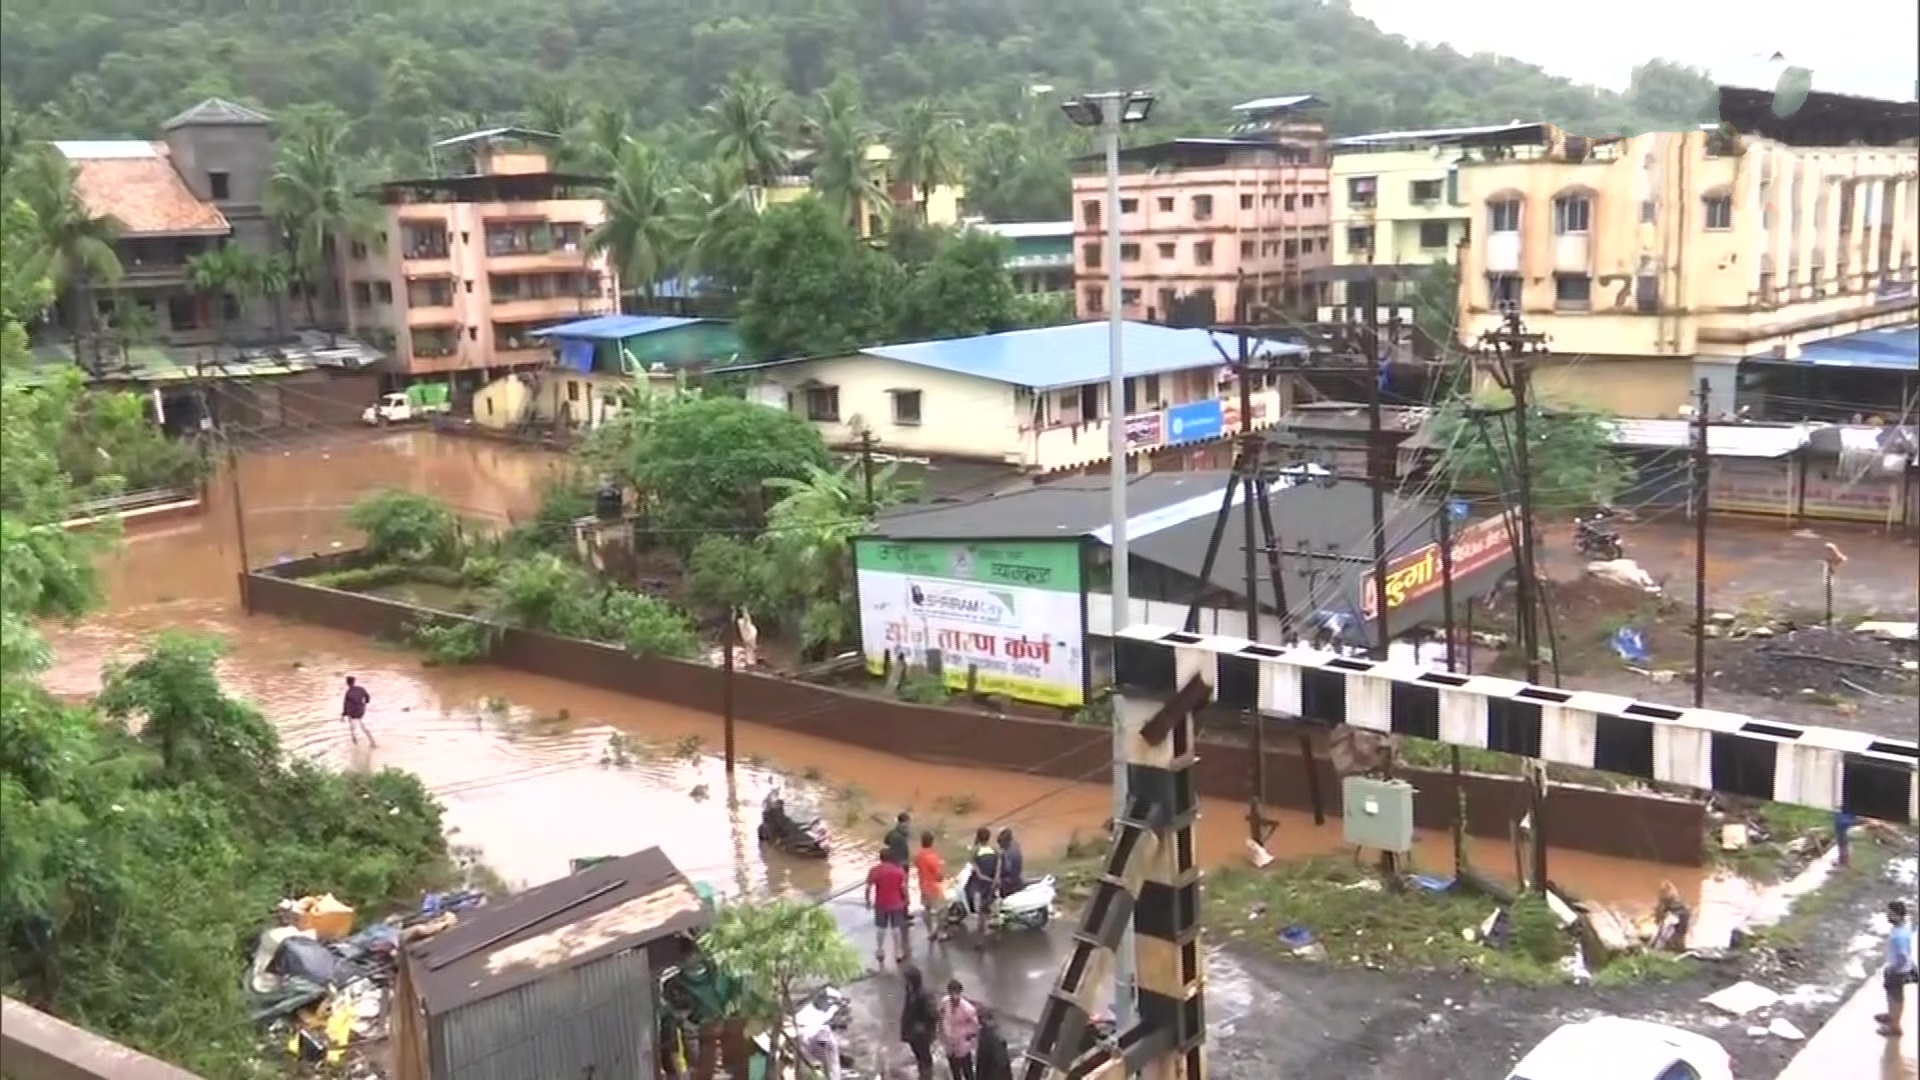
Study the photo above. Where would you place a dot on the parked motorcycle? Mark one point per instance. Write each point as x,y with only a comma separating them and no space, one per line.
1594,540
1029,909
794,827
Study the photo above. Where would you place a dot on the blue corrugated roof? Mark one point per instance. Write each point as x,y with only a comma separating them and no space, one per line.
614,327
1893,347
1073,355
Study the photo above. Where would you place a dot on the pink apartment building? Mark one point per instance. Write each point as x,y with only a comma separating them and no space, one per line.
1204,222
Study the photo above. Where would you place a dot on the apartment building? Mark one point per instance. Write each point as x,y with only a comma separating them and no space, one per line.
1397,203
1040,255
465,269
201,185
1656,261
942,204
1206,221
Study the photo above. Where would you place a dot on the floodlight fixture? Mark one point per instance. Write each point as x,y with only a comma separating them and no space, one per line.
1090,110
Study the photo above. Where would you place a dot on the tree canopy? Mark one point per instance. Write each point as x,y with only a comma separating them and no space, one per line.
408,71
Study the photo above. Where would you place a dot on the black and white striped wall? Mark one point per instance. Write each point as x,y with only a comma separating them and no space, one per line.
1728,753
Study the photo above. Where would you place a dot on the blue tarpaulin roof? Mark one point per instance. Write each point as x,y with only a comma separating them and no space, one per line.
614,327
1076,354
1895,348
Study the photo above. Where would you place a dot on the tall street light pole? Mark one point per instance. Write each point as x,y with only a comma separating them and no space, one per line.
1110,111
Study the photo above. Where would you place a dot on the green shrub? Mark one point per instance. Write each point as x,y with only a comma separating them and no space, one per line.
403,527
359,578
448,642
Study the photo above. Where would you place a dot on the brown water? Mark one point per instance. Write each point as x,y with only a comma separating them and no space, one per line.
517,759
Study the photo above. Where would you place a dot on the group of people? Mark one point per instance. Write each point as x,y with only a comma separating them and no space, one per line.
999,870
965,1032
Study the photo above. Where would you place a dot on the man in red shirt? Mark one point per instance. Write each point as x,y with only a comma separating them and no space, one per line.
887,899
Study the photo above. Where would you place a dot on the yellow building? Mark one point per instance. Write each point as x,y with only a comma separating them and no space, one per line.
1396,201
942,203
1656,261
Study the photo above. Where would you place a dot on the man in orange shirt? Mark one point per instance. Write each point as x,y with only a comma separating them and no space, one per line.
933,886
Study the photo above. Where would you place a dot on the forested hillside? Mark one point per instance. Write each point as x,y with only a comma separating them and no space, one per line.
408,69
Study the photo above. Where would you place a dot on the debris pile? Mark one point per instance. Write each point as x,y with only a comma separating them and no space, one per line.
1813,660
320,990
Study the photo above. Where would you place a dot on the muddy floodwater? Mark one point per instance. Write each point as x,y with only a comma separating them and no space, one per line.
521,762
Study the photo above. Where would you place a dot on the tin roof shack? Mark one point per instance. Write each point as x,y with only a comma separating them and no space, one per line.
558,981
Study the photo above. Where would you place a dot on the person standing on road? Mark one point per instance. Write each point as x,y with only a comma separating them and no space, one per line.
353,711
933,885
959,1031
985,880
1013,870
899,839
887,899
991,1059
1843,824
918,1022
1899,970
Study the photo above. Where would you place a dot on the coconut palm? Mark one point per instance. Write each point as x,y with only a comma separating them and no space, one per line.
926,151
713,222
746,130
317,202
273,277
225,271
637,234
810,529
73,247
844,177
605,130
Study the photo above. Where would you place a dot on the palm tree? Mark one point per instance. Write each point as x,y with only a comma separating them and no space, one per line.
317,202
274,276
74,248
746,131
133,325
809,535
843,175
606,130
926,151
637,234
713,222
216,275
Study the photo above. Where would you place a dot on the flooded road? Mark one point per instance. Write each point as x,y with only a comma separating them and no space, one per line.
520,761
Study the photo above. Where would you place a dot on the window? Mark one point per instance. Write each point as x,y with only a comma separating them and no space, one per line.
362,293
1129,298
1129,252
1090,255
358,250
823,404
1572,292
180,313
1306,202
432,342
1095,297
1150,389
1291,248
424,242
1166,301
1203,208
1246,249
1129,206
473,333
1167,250
1433,235
1646,294
1165,203
1203,253
1572,214
906,407
1503,215
1090,212
1287,203
1649,211
1719,211
1246,202
221,186
1362,190
573,390
1360,238
1503,290
383,292
1426,191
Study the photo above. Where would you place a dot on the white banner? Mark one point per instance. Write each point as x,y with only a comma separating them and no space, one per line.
1021,642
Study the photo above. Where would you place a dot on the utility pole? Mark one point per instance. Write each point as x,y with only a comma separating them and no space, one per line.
727,639
1701,464
239,526
866,467
1377,471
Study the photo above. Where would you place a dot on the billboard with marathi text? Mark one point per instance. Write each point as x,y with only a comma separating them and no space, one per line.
1417,574
1009,612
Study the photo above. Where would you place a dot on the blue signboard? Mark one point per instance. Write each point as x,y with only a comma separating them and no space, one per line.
1196,421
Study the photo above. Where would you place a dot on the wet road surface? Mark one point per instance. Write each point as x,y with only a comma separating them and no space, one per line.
520,761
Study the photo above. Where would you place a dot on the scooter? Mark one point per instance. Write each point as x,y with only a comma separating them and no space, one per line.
1029,909
1594,541
796,828
828,1010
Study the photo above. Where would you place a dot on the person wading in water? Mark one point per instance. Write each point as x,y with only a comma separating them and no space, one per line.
353,710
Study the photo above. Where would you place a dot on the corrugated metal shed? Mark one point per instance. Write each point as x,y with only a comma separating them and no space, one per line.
616,327
1050,357
1893,348
554,982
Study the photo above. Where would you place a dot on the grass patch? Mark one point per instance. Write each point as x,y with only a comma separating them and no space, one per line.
1768,861
1419,753
1357,925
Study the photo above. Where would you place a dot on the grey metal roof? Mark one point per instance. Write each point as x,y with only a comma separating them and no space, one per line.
215,112
106,149
628,903
1070,506
1074,354
1275,104
508,132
